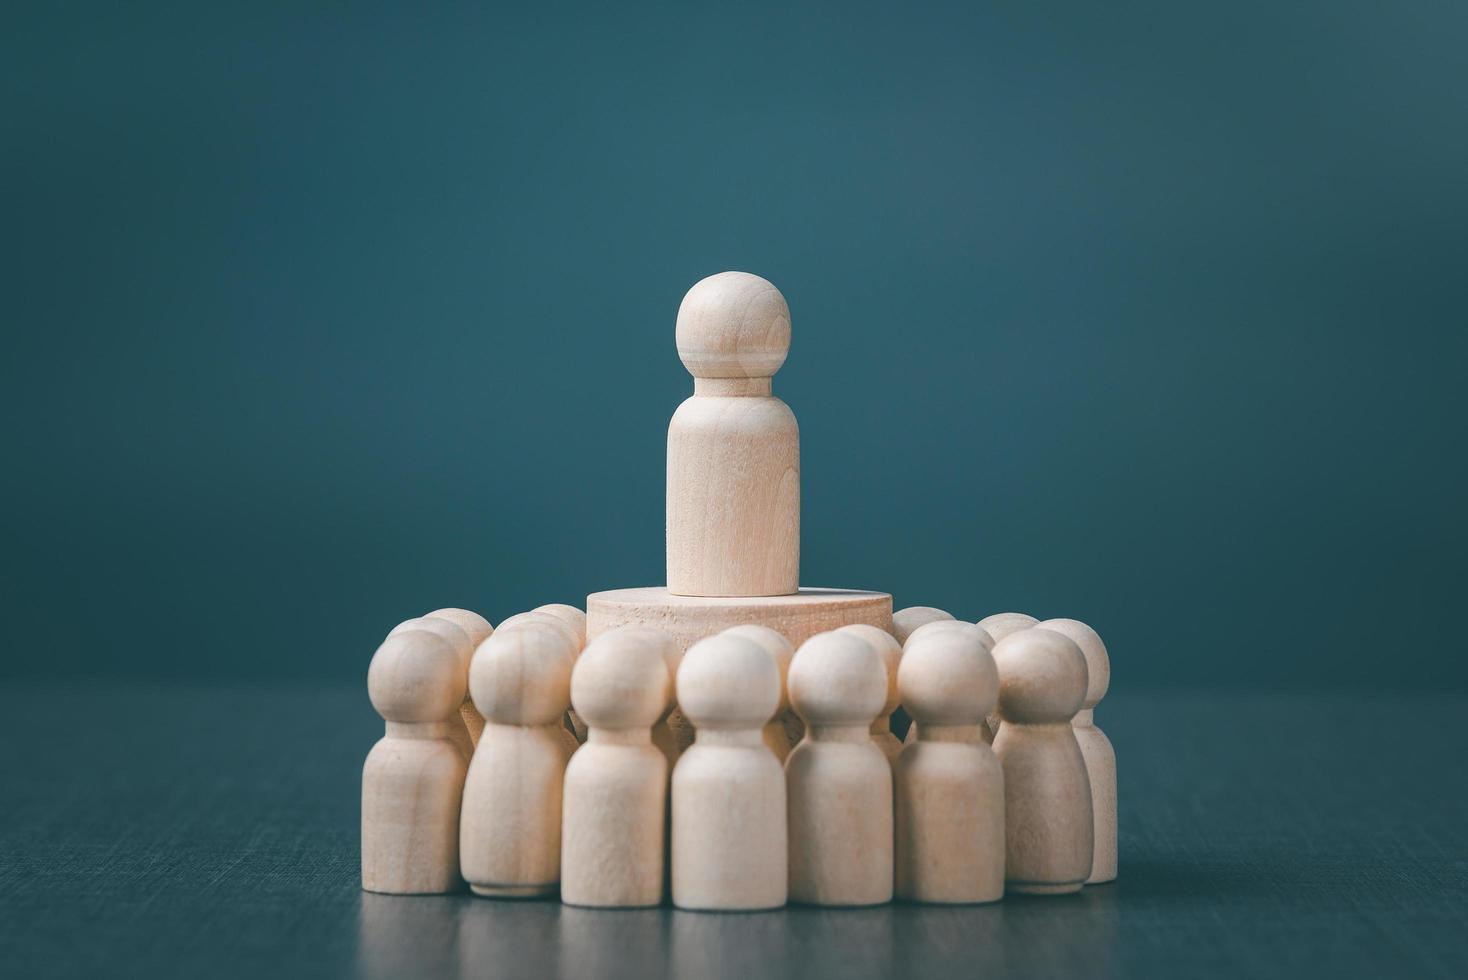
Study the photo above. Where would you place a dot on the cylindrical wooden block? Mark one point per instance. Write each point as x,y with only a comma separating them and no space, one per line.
688,619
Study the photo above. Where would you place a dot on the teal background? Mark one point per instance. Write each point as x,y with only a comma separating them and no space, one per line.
318,316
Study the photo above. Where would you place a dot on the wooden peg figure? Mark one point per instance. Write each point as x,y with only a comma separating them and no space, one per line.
939,625
969,629
733,494
613,825
576,638
783,731
999,626
949,785
904,621
479,630
464,735
1048,828
838,781
413,779
890,651
510,831
576,620
571,616
1095,746
729,835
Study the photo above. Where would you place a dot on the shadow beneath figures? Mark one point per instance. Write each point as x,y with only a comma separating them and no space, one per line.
466,937
797,941
603,944
408,935
1059,935
508,938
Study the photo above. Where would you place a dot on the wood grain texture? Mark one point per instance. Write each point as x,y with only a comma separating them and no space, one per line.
178,830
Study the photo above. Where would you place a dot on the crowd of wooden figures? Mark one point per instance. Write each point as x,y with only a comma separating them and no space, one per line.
742,773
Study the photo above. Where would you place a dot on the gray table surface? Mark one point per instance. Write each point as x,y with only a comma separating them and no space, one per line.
182,830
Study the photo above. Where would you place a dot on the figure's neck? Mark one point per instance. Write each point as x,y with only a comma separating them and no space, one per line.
619,736
930,732
423,730
733,387
838,733
738,737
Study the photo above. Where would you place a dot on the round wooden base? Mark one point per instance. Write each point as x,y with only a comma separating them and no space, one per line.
689,619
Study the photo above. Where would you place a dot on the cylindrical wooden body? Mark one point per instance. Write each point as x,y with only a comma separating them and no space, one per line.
950,823
612,840
1048,826
411,792
729,835
733,497
1101,770
510,830
840,820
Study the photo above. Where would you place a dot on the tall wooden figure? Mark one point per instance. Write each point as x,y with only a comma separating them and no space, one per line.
510,831
612,832
1095,746
1048,829
729,835
949,785
839,782
414,777
733,517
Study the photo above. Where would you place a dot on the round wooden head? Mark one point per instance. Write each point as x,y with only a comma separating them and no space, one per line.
461,641
472,623
522,676
570,615
948,677
543,618
837,679
1042,677
944,625
904,621
733,325
1098,663
776,646
728,682
1002,624
621,681
416,677
889,650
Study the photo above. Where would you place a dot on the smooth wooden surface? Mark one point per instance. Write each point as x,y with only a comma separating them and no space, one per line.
212,831
839,783
614,802
1048,829
733,475
948,786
